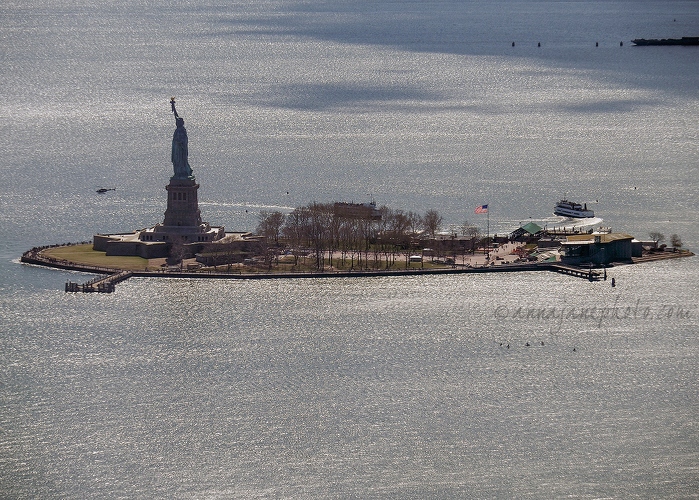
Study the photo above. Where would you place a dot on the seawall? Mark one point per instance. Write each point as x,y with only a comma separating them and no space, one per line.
35,257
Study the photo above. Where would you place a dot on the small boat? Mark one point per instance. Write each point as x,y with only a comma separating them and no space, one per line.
104,190
569,209
685,40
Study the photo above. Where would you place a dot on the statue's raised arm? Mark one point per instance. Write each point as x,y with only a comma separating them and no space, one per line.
174,111
180,149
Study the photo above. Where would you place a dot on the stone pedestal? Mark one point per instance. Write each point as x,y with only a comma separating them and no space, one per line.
182,203
182,222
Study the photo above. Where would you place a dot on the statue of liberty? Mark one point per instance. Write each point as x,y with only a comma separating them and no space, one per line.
180,150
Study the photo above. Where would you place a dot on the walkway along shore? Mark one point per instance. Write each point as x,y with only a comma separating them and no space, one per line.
115,275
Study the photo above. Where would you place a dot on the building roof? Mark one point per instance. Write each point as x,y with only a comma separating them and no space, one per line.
581,239
531,228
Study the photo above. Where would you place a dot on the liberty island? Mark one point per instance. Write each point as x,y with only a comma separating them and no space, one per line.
319,240
377,387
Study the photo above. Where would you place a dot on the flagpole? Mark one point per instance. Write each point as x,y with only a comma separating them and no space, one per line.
480,210
487,234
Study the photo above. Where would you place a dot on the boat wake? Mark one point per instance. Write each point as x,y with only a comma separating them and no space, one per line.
561,223
552,223
246,206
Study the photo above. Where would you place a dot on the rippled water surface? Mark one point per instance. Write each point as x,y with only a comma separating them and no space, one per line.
352,387
399,387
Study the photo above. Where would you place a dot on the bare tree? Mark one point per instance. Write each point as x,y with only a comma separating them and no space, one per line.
295,230
676,241
320,217
657,237
431,223
410,238
401,231
270,225
414,223
367,234
333,237
348,242
177,251
392,229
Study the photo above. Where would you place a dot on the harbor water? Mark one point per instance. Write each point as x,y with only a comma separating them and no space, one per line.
503,385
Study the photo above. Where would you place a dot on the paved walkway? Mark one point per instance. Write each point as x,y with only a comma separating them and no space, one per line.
500,255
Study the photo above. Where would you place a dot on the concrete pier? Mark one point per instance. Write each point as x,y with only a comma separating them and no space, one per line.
589,274
100,284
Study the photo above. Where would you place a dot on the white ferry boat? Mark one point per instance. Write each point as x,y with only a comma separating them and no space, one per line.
569,209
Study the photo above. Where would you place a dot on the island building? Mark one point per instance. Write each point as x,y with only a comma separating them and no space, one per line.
599,248
182,227
357,210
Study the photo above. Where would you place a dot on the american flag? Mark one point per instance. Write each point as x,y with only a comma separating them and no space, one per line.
483,209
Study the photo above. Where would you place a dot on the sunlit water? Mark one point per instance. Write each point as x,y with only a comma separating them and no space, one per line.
385,387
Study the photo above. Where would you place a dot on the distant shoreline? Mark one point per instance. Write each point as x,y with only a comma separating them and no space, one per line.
38,260
35,257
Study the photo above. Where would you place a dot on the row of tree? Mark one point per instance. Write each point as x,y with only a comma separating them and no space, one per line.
659,237
323,231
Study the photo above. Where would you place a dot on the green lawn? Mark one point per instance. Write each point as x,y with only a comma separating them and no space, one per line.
84,254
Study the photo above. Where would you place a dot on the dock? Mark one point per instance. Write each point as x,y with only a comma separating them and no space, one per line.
100,284
589,274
